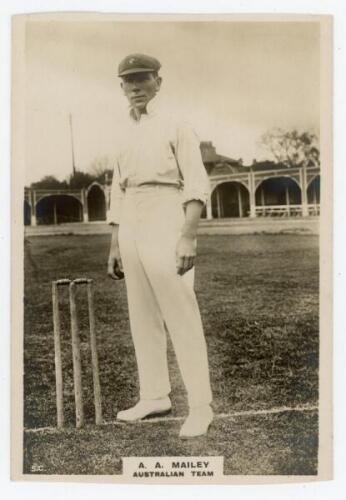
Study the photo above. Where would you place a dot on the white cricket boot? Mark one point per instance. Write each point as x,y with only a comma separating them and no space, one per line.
197,422
144,408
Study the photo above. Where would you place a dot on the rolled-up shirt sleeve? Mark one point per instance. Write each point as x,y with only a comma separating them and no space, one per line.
189,158
117,195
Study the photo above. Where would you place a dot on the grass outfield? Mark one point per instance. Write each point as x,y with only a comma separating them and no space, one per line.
258,296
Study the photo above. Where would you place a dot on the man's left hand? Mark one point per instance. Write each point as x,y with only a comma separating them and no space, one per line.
185,254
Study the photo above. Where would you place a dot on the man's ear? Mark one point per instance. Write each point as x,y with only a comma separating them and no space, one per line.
122,86
158,82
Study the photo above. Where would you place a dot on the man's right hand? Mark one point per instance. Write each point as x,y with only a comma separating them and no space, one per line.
115,267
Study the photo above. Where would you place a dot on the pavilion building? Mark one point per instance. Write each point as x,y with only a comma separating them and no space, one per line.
259,190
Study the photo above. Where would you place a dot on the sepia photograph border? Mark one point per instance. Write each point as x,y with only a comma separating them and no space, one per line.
325,467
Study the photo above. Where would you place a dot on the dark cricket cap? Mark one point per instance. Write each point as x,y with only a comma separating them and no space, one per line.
138,63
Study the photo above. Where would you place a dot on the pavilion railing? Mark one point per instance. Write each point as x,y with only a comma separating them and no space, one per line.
285,210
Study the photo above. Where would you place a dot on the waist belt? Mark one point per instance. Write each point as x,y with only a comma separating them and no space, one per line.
143,188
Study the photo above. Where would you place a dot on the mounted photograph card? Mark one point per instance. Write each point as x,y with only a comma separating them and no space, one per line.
172,248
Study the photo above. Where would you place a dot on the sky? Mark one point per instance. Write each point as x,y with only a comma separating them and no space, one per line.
232,80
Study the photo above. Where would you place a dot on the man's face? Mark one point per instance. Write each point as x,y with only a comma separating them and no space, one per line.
140,88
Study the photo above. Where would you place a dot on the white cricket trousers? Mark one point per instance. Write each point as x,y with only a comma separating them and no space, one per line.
150,224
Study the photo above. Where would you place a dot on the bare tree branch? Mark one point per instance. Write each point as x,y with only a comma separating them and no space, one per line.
292,148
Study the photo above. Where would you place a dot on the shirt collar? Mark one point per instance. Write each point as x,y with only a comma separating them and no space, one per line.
153,107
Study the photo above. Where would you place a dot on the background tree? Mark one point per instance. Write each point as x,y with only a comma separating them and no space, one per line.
102,169
292,148
49,182
80,180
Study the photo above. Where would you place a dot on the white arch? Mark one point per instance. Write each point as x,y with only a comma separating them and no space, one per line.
313,179
93,184
278,177
58,195
230,182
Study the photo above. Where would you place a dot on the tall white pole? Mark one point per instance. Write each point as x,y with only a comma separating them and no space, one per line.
72,145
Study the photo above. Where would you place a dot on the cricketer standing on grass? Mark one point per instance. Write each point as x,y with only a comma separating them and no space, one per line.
159,189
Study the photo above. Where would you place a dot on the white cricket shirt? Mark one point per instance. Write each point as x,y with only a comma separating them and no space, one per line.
158,149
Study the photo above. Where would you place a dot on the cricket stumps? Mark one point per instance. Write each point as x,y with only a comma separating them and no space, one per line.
76,352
